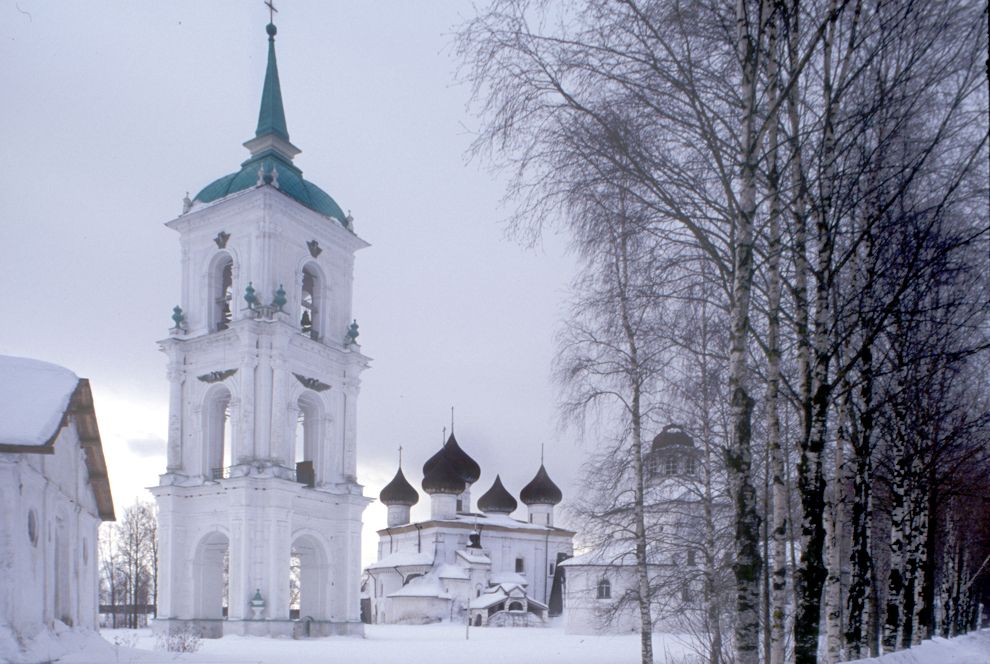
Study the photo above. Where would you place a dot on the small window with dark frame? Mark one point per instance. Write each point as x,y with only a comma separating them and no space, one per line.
551,570
604,589
520,565
670,465
690,558
689,468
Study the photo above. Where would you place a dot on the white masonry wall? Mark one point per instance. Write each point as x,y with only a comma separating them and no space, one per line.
51,576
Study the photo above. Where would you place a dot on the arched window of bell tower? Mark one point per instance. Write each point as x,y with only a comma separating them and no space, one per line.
311,312
307,438
216,432
220,296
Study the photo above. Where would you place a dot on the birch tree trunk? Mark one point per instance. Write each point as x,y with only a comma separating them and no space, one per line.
777,599
747,564
622,269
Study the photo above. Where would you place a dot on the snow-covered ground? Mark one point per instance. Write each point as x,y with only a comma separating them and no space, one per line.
445,644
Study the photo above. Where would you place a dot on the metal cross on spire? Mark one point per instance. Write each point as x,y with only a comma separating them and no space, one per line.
400,457
271,10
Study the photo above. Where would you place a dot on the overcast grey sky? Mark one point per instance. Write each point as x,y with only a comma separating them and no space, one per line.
112,111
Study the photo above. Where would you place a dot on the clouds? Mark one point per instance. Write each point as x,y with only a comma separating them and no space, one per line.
147,447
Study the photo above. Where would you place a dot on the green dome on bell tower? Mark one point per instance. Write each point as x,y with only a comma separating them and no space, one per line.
272,153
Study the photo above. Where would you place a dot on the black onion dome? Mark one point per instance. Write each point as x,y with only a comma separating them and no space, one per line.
466,467
440,476
541,490
673,435
399,491
497,500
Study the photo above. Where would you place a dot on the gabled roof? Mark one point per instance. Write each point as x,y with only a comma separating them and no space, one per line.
37,399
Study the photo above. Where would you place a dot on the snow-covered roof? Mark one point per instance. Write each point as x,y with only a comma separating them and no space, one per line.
617,553
486,600
483,521
36,400
509,579
500,593
34,396
474,557
427,585
403,559
448,571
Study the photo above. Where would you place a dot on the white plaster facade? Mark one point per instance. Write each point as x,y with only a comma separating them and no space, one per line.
602,583
251,396
54,494
427,571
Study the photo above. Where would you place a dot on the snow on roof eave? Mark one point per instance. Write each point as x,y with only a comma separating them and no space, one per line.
492,522
34,399
402,559
80,407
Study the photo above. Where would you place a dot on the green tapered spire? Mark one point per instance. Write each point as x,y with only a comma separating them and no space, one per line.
271,117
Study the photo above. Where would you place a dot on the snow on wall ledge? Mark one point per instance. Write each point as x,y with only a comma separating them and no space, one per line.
33,397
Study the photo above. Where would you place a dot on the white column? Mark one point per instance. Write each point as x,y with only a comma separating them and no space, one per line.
176,377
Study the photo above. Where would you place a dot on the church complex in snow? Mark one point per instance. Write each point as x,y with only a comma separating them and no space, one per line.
497,569
260,491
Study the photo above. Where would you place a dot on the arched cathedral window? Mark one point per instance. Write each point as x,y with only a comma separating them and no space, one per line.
604,589
221,292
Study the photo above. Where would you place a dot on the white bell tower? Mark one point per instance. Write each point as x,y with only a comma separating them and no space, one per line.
259,506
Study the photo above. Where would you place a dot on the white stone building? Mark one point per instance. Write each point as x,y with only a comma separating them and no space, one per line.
54,493
264,368
602,583
499,569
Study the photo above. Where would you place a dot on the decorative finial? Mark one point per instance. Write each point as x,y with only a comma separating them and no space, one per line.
443,437
178,317
451,420
280,298
400,457
541,454
186,203
249,295
352,332
275,176
270,28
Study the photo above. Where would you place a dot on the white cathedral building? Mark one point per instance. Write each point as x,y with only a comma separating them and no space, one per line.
461,564
264,367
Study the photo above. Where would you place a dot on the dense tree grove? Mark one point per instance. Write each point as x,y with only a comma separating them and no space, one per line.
781,211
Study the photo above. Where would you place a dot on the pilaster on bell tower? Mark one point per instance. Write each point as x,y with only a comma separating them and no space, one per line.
264,370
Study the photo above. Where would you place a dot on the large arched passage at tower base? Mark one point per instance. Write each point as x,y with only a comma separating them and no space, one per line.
309,583
211,568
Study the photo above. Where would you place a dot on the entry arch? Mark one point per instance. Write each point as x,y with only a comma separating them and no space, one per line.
310,569
211,571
